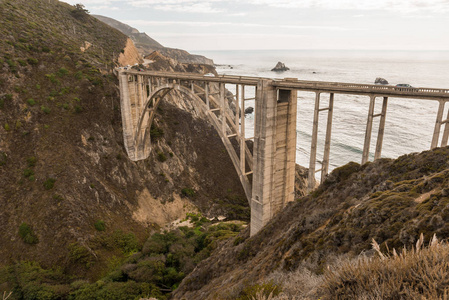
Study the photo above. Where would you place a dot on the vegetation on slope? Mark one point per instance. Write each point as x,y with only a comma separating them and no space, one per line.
69,194
155,270
392,201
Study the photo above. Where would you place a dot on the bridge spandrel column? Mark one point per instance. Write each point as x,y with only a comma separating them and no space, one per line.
274,153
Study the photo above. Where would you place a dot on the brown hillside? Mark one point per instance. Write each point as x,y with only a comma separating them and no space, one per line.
63,169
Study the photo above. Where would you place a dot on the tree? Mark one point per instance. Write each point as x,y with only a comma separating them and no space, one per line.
79,11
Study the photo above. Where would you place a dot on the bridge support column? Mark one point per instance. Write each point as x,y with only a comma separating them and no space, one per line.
274,153
380,135
369,128
438,123
312,162
327,143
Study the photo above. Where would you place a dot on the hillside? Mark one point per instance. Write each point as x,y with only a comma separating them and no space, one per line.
390,201
146,45
70,197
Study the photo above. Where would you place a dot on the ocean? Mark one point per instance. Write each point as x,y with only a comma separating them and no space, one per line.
409,123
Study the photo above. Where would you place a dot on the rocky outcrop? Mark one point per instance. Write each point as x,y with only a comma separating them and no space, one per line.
280,67
130,55
146,45
380,80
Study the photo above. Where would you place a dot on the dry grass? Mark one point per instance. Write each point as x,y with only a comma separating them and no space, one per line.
420,273
6,296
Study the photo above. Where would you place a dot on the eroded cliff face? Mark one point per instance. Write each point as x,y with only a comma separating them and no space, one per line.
130,55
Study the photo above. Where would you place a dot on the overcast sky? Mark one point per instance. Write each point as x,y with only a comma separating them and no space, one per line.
285,24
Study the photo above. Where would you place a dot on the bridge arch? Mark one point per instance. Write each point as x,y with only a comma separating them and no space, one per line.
146,118
267,172
142,136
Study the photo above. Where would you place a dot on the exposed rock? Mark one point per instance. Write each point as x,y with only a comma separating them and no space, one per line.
280,67
380,80
146,45
130,56
249,110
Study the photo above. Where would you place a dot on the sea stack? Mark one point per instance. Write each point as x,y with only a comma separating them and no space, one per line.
380,80
280,67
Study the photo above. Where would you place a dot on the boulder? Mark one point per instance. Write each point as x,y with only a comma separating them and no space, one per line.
249,110
280,67
380,80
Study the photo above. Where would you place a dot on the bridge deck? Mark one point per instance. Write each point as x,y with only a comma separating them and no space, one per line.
313,86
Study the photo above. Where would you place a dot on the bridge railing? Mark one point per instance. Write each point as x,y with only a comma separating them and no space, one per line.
430,93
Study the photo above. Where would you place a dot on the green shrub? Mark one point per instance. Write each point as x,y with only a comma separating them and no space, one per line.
45,49
78,109
31,161
156,132
3,158
27,234
78,75
22,62
62,72
161,156
45,109
31,102
32,61
49,183
28,172
188,192
100,225
7,128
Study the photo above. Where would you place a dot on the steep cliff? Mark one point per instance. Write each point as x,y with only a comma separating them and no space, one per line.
69,195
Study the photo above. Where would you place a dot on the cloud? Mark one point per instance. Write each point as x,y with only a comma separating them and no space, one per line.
231,24
189,8
406,6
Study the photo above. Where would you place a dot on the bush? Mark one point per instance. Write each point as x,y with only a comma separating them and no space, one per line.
31,102
188,192
27,234
78,109
156,132
100,225
7,128
2,158
28,172
161,156
62,72
45,109
31,161
32,61
49,183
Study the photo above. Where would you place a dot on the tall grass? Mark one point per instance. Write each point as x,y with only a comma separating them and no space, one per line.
419,273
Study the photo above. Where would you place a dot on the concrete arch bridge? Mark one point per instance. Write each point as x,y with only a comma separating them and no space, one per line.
267,172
